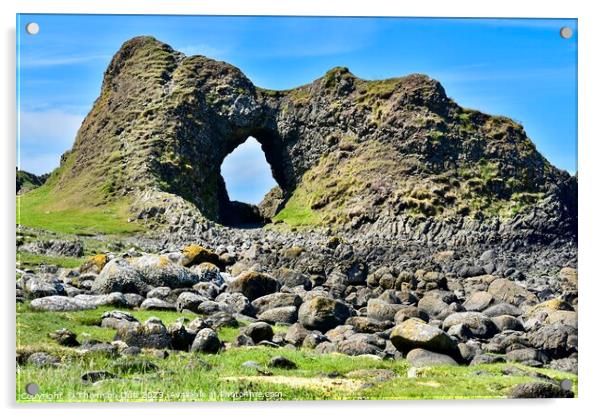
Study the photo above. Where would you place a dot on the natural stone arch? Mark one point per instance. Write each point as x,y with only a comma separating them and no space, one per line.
278,158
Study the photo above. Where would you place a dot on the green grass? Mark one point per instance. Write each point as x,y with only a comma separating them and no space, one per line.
297,213
28,259
183,377
41,208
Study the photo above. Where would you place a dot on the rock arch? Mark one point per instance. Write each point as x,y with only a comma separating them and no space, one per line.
395,156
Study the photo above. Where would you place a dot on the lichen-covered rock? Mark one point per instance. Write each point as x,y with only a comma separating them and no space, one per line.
290,278
279,315
254,285
160,271
115,299
60,303
258,331
539,390
94,264
506,291
413,334
381,310
479,324
120,276
420,358
208,272
152,334
43,285
322,313
157,304
236,303
275,300
206,341
555,340
114,319
189,301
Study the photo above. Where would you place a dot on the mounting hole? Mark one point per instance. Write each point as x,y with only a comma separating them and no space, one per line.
566,32
32,388
32,28
566,385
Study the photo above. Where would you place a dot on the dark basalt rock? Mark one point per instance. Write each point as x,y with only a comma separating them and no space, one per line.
183,115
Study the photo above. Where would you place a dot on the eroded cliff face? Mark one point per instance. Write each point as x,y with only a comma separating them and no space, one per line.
395,156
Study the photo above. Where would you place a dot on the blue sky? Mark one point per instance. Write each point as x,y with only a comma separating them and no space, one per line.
520,68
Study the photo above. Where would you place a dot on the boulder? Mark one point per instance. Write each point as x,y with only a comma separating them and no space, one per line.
151,335
254,285
157,304
258,331
322,313
120,276
189,301
413,333
505,291
368,325
356,347
160,271
539,390
478,301
435,307
479,324
289,278
208,272
197,254
60,303
420,358
555,340
296,334
381,310
115,299
277,299
236,303
279,315
44,285
206,341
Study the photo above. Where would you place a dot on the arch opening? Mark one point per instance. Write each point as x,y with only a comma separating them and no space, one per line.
248,182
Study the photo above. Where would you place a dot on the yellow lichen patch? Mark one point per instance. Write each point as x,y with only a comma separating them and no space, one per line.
569,274
164,261
195,254
549,306
292,252
347,385
95,263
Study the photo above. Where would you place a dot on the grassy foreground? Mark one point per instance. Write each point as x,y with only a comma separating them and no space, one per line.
183,376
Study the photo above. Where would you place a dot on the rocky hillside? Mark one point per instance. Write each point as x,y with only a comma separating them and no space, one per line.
395,157
26,181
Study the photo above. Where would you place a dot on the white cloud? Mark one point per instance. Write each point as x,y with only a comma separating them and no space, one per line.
52,61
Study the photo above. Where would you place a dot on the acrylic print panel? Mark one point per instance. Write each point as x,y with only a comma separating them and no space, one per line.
295,208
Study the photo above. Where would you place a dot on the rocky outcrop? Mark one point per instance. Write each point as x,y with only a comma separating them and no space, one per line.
393,157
